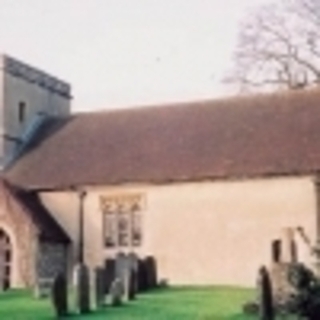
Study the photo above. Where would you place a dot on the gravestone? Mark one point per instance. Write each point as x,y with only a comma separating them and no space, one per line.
82,288
116,292
265,301
99,284
121,266
125,266
60,296
142,275
110,274
151,272
43,287
129,290
284,255
134,265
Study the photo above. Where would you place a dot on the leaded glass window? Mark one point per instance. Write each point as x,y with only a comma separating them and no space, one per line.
122,220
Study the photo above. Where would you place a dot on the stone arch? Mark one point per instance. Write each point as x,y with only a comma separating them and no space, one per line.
10,230
6,260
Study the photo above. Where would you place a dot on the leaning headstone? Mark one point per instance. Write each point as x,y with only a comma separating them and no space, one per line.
116,292
99,284
266,308
60,296
110,274
82,288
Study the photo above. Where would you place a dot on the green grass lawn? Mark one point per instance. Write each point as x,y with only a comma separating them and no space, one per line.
209,303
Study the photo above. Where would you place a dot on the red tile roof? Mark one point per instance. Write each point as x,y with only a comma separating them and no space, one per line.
270,134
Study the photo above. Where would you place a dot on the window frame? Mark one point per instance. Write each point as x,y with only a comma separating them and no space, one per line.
119,210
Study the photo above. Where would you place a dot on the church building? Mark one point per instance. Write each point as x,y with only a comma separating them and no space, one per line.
204,187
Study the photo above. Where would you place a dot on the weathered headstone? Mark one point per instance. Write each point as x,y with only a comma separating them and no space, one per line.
125,272
116,292
60,296
43,287
82,288
266,308
134,265
142,275
284,255
282,290
151,272
99,284
133,285
129,290
121,266
110,274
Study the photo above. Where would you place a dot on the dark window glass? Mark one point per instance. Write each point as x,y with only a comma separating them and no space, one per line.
110,229
136,229
22,111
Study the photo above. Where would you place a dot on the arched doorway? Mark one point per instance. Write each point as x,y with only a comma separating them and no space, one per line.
5,260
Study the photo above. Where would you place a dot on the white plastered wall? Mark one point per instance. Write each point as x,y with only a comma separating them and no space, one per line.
202,233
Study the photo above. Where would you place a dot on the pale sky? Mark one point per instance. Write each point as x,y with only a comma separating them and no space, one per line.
121,53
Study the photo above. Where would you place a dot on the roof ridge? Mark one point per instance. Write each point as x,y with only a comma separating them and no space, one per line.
205,102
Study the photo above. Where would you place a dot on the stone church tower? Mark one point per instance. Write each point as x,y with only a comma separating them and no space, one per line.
27,97
33,247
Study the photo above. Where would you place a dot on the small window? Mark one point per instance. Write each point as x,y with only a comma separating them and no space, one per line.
22,111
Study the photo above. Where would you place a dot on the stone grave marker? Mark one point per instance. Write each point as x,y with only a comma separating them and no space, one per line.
129,284
121,265
134,265
116,292
265,301
122,269
60,296
99,285
110,274
43,287
142,276
151,272
284,255
82,288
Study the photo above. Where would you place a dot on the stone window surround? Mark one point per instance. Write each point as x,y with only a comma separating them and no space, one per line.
122,220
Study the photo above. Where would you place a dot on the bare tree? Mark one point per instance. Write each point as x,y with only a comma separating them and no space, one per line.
279,46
